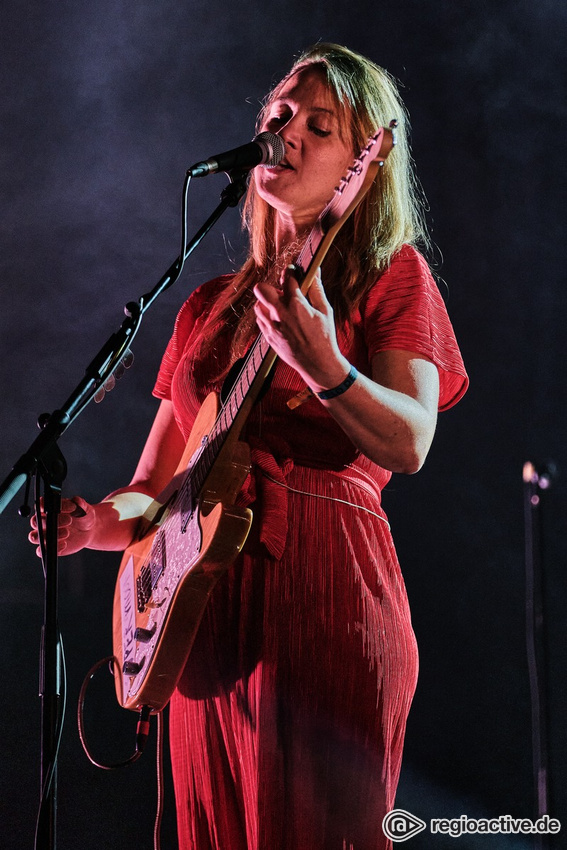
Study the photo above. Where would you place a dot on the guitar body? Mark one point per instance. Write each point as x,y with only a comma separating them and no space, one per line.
166,577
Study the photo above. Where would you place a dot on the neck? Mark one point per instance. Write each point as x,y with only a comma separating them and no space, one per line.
289,238
290,229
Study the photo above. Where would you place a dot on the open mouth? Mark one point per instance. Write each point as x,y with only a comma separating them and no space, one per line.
284,164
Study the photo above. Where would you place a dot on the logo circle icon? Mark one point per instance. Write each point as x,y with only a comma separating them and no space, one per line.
399,825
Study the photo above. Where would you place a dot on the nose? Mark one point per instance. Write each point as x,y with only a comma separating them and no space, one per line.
289,132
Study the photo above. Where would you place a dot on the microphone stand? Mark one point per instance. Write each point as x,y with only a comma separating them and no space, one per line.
535,482
45,460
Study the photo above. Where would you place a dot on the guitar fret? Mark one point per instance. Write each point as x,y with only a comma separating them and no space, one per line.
312,243
225,422
186,497
257,364
246,382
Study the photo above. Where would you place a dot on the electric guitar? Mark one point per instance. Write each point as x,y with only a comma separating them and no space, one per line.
194,530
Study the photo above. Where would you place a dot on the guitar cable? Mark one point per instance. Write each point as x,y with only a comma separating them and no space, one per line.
142,727
142,734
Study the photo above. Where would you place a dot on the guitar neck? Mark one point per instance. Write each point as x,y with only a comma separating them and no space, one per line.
235,410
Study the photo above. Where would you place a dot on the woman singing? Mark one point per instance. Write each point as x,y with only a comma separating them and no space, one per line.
288,722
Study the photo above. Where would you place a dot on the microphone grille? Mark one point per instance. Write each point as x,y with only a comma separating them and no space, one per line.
273,149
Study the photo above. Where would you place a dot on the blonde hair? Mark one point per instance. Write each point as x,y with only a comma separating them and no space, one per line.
389,216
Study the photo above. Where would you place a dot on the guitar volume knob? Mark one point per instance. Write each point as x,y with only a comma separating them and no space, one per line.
132,668
144,635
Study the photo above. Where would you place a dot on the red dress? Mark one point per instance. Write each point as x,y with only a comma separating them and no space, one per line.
287,726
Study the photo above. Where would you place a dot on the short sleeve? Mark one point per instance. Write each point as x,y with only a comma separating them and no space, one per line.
193,311
183,326
404,310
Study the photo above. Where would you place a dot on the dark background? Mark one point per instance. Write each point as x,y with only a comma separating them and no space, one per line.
103,107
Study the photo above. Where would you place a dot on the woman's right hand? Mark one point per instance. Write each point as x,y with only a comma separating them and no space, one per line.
112,524
75,526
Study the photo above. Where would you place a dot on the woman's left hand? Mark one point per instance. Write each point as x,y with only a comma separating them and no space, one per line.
301,331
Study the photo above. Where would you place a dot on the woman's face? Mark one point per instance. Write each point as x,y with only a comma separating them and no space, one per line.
318,149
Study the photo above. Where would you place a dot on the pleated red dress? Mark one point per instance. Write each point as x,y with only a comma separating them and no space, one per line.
288,723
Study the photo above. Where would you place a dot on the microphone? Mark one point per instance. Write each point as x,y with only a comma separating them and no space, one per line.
266,149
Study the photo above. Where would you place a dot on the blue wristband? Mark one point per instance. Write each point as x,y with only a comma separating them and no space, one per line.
348,382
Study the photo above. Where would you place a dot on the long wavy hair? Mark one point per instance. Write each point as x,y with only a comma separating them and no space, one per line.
390,215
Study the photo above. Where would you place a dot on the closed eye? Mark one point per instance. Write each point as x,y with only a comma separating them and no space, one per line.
278,120
318,131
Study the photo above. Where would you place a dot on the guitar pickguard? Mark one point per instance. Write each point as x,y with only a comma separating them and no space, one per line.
178,555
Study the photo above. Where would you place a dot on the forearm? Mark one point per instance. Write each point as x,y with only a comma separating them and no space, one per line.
391,416
116,520
389,427
119,517
113,523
